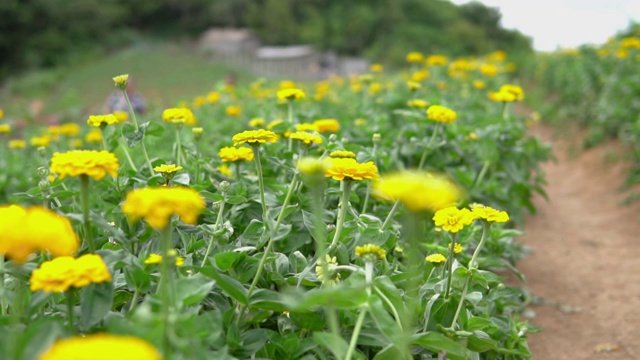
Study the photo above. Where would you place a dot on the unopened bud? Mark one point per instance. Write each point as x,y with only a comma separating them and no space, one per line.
224,186
377,138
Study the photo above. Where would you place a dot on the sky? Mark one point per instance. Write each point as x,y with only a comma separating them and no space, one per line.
565,23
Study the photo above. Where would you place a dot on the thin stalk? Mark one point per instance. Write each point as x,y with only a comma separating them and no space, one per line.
390,305
256,157
366,198
356,333
481,174
178,146
473,264
392,212
450,266
290,120
104,140
134,300
197,162
428,147
84,199
3,301
342,214
215,229
462,296
166,286
128,156
135,124
69,297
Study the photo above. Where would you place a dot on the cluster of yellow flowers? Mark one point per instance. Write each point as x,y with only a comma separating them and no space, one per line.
101,347
350,169
453,220
157,205
441,114
29,230
62,273
230,153
418,190
507,93
96,164
179,116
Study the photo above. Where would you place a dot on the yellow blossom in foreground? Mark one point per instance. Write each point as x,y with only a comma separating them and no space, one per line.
233,110
96,164
350,169
436,259
121,116
307,138
342,154
488,213
415,57
17,144
418,190
452,219
327,125
370,249
231,153
417,103
70,129
256,122
290,94
102,120
331,276
43,140
121,80
101,347
441,114
157,259
157,205
255,137
5,128
179,116
94,136
29,230
167,168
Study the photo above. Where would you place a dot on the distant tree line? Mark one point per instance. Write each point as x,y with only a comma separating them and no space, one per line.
41,33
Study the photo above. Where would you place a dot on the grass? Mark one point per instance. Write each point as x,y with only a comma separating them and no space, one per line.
162,73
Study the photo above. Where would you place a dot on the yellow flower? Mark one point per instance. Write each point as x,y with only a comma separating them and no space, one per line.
5,128
94,136
102,120
327,125
417,103
17,144
415,57
157,259
471,136
121,81
370,249
235,154
436,60
331,276
452,219
101,347
313,166
121,116
441,114
489,70
197,132
274,123
306,127
199,101
457,249
75,143
488,213
255,137
307,138
479,84
95,164
375,88
213,97
418,191
70,129
256,122
179,116
436,259
497,56
342,154
359,122
376,68
167,168
225,170
413,86
507,93
157,205
233,110
290,94
350,169
29,230
89,269
1,114
419,76
40,140
287,84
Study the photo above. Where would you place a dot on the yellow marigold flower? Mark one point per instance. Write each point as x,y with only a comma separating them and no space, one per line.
452,219
121,81
256,122
230,153
355,87
497,56
179,116
213,97
418,191
375,88
101,347
90,269
255,137
29,230
306,127
331,276
157,205
471,136
479,84
95,164
501,96
102,120
199,101
121,116
489,70
76,143
436,60
441,114
54,132
94,136
376,68
17,144
350,169
5,128
516,90
370,249
62,273
327,125
413,86
233,110
436,259
628,42
488,213
225,170
417,103
197,132
342,154
287,84
290,94
415,57
167,168
359,122
457,249
313,166
419,76
274,123
157,259
307,138
43,140
70,129
1,114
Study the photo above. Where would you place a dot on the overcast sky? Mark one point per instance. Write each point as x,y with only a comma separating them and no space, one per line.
565,23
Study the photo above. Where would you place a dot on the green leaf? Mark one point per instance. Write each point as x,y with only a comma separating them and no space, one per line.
437,342
390,352
253,233
227,260
37,337
228,284
152,128
266,300
336,344
341,297
131,136
95,303
182,178
136,277
236,199
480,341
308,219
191,290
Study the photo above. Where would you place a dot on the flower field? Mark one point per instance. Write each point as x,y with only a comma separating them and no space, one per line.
371,217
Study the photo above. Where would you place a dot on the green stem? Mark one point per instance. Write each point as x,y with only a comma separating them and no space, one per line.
215,229
481,174
428,147
104,140
450,266
366,198
84,199
124,148
256,157
291,124
342,214
356,334
166,286
462,296
505,111
135,124
178,146
69,295
197,162
3,304
390,305
485,232
392,212
134,300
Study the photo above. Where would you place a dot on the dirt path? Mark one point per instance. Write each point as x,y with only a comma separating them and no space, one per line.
585,265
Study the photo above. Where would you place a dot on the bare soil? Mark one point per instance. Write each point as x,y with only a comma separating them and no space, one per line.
584,269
